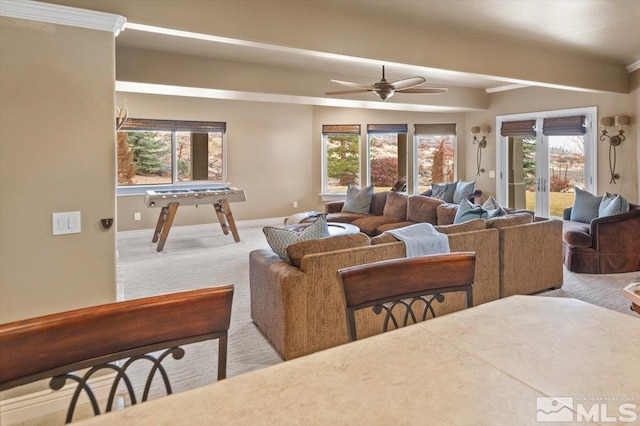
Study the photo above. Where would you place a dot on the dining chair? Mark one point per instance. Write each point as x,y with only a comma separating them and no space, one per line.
112,337
405,289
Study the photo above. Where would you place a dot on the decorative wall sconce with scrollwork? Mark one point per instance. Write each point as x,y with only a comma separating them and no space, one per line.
482,143
614,140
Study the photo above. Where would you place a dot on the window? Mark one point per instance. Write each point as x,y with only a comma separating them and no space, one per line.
434,156
167,152
341,148
387,154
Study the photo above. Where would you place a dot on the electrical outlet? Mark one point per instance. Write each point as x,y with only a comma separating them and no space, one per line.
295,204
136,216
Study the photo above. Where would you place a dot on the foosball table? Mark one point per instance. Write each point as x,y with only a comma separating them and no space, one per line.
169,201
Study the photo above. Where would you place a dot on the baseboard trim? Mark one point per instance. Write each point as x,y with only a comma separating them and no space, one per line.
42,403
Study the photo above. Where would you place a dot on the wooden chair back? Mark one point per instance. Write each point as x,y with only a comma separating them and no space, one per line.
406,283
54,346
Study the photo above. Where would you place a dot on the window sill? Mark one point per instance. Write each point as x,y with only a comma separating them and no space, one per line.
333,196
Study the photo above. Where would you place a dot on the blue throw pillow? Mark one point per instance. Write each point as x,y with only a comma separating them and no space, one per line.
585,206
279,238
467,211
358,200
449,191
463,190
437,190
612,204
493,208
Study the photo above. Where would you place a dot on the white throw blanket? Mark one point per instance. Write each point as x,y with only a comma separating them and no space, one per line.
421,239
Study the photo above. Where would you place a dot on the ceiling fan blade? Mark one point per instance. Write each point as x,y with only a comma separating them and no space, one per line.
355,85
424,90
408,83
348,92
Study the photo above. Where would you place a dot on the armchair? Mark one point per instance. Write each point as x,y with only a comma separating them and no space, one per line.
607,245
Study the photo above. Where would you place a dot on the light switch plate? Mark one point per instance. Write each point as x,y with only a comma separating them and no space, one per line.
492,173
65,223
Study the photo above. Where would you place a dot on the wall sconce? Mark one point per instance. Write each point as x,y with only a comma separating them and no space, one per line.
482,143
614,140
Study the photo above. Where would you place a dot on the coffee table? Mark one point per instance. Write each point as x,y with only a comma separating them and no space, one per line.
335,228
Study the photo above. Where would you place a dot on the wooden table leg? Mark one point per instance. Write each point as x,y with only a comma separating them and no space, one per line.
167,214
226,219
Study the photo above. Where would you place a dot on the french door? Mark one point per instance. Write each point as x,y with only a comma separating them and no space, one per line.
540,172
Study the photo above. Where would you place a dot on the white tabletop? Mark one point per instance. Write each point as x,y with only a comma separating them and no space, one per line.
485,365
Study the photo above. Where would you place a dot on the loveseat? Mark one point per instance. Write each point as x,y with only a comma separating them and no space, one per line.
606,245
300,309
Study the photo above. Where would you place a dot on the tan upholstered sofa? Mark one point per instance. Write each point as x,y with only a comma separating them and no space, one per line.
301,310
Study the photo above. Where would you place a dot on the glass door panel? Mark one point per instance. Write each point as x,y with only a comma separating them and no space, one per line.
566,171
522,179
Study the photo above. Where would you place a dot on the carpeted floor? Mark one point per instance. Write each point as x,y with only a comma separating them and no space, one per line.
202,256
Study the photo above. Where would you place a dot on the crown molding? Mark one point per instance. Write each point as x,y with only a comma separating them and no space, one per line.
634,66
62,15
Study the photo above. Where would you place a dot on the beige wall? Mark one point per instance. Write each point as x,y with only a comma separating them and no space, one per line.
540,99
269,155
57,153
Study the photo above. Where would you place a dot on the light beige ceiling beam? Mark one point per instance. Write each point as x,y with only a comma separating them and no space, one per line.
321,27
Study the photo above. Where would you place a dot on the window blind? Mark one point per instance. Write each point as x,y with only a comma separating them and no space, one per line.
518,128
564,126
387,128
435,129
173,125
340,129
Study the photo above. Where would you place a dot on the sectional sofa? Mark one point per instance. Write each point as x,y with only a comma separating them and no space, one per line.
299,307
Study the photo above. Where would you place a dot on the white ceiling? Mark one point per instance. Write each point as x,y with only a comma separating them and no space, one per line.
609,29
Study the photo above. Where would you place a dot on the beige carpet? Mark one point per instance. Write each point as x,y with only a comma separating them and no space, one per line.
201,256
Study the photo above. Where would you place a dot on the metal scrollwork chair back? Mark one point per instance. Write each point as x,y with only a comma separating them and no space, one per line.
400,287
96,338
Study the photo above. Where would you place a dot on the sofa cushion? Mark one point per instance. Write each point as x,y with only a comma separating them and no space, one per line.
297,251
493,208
358,200
577,238
396,205
446,213
509,220
423,209
585,206
280,238
344,217
467,211
612,204
463,191
369,225
468,226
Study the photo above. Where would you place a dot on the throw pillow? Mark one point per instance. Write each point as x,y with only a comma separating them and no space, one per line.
358,200
585,206
467,211
493,208
449,191
396,205
438,190
297,251
280,238
463,190
612,204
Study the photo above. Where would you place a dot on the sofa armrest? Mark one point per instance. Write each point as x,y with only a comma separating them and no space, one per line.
333,206
531,257
612,232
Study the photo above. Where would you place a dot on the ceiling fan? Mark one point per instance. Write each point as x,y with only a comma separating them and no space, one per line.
385,89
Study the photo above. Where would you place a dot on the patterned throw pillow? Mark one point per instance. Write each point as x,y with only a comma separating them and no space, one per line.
463,190
444,191
467,211
493,208
612,204
358,200
279,238
585,206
